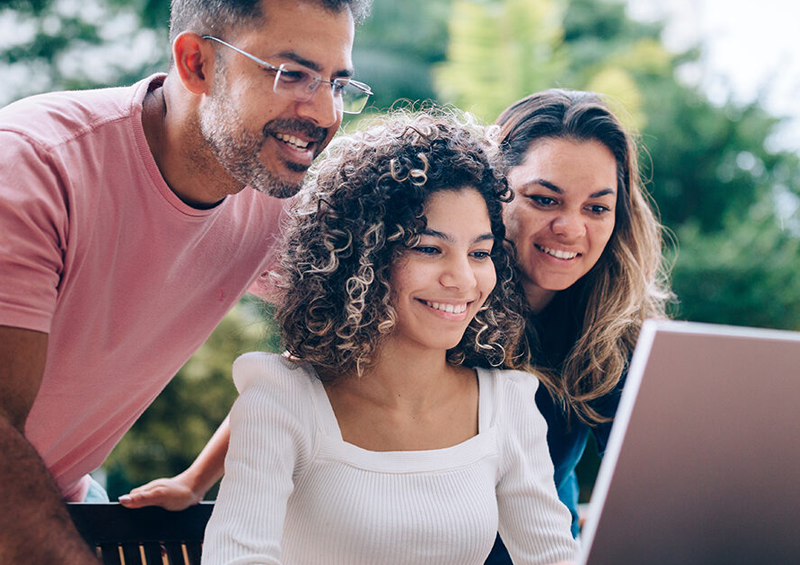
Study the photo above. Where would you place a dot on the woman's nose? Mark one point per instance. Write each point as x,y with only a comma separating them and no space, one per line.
569,226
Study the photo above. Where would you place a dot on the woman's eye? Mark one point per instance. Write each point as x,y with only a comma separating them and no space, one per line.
598,209
542,201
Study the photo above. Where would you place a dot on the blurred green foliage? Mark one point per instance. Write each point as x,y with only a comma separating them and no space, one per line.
500,51
731,202
397,46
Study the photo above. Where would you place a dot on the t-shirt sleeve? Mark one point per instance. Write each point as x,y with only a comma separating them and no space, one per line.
33,238
533,523
270,444
263,286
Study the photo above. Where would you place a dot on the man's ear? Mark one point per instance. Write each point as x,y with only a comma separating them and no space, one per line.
194,61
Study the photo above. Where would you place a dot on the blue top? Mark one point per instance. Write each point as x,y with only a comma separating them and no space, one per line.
567,441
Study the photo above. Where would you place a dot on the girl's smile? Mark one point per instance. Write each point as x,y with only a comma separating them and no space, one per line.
440,284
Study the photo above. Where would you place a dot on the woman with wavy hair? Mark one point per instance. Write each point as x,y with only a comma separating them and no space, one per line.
390,434
589,249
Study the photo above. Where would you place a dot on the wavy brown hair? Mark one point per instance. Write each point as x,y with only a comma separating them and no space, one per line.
362,208
597,320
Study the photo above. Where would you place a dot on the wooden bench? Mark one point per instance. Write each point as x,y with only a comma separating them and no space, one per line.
145,536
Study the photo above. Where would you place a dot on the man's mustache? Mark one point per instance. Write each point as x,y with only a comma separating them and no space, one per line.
315,133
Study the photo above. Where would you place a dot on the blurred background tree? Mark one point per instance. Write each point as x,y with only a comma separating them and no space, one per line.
730,200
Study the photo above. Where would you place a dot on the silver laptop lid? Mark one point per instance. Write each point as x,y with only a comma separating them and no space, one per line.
703,461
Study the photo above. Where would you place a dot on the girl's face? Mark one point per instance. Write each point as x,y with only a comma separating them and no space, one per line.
439,285
562,215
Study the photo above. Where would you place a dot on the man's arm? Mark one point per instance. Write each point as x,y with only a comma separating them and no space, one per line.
189,487
35,527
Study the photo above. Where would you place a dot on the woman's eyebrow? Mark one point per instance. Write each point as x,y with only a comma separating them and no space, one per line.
603,192
558,190
547,184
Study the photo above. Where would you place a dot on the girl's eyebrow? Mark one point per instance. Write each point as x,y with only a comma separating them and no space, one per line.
483,237
446,238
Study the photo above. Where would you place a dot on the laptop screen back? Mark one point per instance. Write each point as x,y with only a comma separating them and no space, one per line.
703,462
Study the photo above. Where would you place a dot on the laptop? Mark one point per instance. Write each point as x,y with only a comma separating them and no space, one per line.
703,461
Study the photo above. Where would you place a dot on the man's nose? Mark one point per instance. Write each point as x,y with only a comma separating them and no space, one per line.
322,108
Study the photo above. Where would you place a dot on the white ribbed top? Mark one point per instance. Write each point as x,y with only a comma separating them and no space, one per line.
295,493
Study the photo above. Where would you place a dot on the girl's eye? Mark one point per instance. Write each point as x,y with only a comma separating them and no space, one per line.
542,201
425,249
481,255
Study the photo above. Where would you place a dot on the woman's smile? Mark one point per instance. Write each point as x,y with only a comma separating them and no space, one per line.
562,215
557,253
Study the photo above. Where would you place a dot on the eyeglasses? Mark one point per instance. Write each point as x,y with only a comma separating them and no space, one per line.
300,83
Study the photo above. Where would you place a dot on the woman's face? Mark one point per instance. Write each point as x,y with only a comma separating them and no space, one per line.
562,215
439,285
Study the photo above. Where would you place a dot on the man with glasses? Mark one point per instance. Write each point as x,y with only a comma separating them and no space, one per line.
131,220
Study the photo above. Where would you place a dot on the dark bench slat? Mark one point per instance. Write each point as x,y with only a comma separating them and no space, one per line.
110,553
110,525
175,553
132,554
194,551
152,553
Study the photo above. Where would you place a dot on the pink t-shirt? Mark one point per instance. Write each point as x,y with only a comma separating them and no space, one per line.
98,252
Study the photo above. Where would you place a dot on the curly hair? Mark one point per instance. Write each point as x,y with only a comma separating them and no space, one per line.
361,209
600,315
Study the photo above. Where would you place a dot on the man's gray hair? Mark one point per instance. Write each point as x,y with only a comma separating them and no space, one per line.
214,17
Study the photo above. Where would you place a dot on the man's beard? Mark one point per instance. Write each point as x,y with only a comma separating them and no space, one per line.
238,151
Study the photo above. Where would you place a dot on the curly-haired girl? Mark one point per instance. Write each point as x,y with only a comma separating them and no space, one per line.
390,434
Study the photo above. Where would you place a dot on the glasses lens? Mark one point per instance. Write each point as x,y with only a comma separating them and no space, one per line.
300,83
354,97
294,81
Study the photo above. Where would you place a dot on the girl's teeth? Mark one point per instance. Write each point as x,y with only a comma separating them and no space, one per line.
449,308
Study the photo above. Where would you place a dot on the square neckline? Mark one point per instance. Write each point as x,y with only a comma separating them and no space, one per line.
332,446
